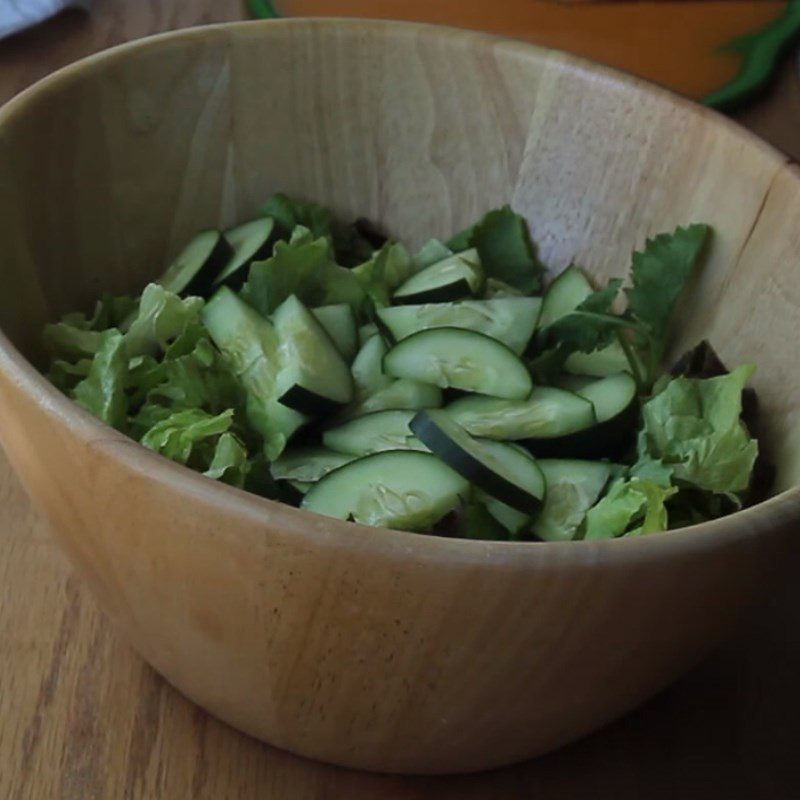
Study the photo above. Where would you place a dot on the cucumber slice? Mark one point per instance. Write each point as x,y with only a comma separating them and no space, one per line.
547,412
373,433
611,396
460,359
307,464
250,345
502,470
510,320
403,394
573,487
367,368
515,522
610,360
250,242
366,332
313,378
339,322
399,489
194,269
432,252
455,277
564,295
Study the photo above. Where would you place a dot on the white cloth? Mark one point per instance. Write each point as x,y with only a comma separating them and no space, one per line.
15,15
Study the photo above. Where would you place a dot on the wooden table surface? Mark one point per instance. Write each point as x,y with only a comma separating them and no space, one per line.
82,718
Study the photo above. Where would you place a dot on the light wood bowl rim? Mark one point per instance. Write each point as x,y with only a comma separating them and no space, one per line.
129,455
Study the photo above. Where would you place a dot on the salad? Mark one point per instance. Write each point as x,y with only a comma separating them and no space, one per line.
450,391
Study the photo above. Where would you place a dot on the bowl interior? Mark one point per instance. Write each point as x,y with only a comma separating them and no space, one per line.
109,167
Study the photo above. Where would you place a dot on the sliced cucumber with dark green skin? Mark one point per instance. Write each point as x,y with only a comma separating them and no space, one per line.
373,433
460,359
611,396
399,489
573,487
599,363
510,320
250,242
564,295
339,322
250,345
314,378
194,269
307,464
366,332
432,252
292,492
515,522
502,470
617,410
454,278
367,368
403,394
547,413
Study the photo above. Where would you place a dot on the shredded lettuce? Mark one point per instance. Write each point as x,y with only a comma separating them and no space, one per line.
631,507
229,463
189,434
389,268
162,317
303,268
103,391
693,427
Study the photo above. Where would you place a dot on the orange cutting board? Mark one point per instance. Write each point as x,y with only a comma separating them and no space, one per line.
673,42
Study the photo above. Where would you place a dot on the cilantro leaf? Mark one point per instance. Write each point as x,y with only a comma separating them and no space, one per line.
659,275
504,244
591,326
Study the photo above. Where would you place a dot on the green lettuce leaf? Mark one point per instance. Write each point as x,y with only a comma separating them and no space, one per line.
288,213
382,275
305,269
229,463
693,426
66,375
630,508
103,391
198,379
189,436
507,253
162,317
70,342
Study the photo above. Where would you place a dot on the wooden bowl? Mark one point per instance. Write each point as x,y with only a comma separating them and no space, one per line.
383,650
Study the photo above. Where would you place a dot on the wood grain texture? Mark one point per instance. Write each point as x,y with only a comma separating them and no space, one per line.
81,717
